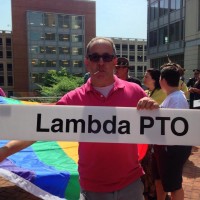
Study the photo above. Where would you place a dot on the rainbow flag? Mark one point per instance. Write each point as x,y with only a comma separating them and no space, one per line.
45,169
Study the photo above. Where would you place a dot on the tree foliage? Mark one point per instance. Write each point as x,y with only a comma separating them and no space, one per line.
57,83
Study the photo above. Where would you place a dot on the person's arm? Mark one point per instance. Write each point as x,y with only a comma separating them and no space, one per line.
13,147
147,103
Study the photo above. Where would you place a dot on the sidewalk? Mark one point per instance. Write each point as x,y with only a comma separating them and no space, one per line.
191,179
191,182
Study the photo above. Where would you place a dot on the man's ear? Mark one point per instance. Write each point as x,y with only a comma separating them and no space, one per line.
115,60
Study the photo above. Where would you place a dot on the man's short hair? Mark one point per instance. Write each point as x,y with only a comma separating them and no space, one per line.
100,38
171,73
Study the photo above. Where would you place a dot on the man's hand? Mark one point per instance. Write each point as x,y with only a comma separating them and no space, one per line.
147,103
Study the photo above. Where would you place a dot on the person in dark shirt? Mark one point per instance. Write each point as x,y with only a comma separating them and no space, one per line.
193,80
122,71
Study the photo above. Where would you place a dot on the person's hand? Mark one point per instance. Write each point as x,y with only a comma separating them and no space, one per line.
147,103
3,153
191,90
194,90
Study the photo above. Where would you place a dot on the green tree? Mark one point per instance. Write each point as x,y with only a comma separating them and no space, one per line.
57,83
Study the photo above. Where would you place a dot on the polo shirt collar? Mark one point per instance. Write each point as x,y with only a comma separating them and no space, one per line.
118,83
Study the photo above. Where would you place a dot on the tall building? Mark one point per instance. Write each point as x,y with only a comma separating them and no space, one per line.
135,51
6,64
49,34
174,29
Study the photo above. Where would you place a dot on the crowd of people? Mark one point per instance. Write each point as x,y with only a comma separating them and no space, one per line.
112,171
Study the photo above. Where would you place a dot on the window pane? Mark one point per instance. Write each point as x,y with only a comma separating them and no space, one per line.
35,19
140,48
64,37
117,46
77,38
132,47
124,47
63,21
77,22
64,63
8,41
77,51
10,81
63,50
49,19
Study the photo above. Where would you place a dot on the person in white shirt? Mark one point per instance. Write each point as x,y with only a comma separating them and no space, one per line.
168,161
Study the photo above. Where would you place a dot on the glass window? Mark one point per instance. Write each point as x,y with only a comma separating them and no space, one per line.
175,5
77,38
63,21
63,50
140,47
124,47
1,54
153,11
174,32
8,54
153,38
77,51
1,41
35,62
9,67
117,46
77,63
36,36
131,47
50,36
132,58
51,63
77,22
10,80
50,50
8,41
34,49
1,67
64,63
49,19
37,77
139,69
132,68
1,80
42,49
163,35
140,58
64,37
164,5
35,19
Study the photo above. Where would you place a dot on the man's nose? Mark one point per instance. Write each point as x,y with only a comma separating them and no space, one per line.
101,61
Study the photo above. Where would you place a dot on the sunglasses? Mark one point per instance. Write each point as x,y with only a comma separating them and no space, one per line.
95,57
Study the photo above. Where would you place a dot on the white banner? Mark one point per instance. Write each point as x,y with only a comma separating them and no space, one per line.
100,124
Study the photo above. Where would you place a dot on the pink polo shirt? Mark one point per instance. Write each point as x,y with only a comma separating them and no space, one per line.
106,167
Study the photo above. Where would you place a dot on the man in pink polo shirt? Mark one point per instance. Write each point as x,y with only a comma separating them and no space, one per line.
107,171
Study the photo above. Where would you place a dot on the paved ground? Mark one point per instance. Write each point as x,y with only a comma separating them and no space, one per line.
191,182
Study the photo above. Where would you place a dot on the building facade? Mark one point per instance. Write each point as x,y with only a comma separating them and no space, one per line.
6,63
173,28
135,51
49,35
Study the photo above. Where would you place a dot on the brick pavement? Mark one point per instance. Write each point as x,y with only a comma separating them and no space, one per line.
191,182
